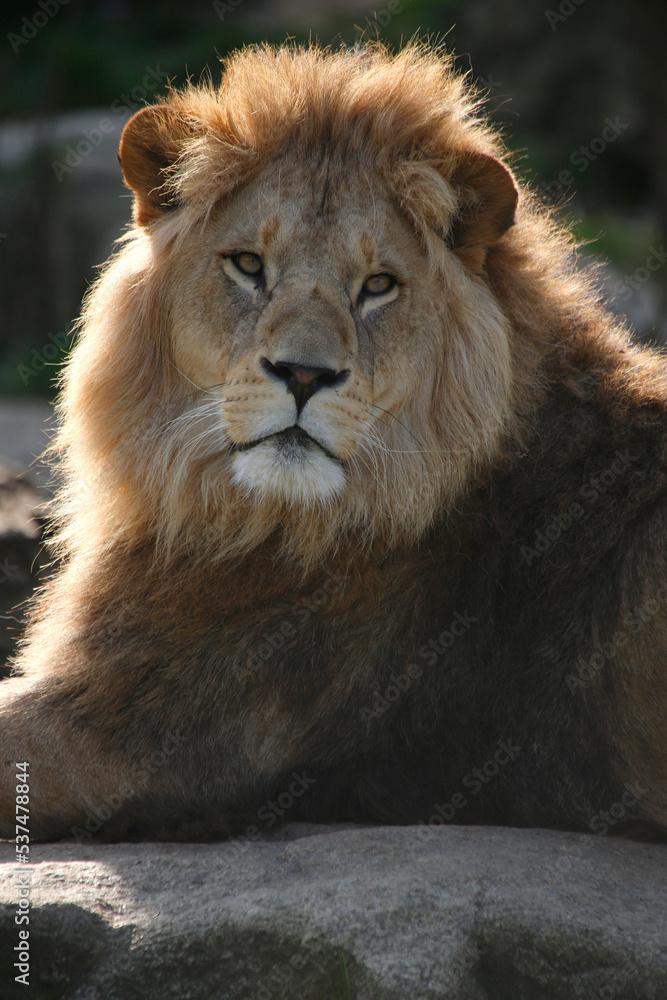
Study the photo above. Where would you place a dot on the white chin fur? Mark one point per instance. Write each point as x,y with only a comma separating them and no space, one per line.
305,476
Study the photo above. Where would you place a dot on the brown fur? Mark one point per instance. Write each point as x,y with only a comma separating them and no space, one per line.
382,610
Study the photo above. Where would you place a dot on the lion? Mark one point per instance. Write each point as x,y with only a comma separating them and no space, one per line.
364,490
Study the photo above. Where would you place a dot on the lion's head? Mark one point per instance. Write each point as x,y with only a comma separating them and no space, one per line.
302,334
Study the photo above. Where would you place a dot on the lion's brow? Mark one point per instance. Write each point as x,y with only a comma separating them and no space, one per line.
368,247
270,229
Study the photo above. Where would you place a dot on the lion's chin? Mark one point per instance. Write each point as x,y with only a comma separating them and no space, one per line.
298,474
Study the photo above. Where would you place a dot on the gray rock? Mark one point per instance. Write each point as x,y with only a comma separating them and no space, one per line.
317,912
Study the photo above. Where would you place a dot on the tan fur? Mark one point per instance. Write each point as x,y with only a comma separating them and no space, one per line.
431,442
332,167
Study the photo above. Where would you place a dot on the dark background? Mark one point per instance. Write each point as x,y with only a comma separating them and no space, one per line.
554,73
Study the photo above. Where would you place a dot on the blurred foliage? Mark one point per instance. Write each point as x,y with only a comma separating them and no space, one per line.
625,240
92,52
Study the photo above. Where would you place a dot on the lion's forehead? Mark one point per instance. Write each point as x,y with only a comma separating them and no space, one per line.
316,223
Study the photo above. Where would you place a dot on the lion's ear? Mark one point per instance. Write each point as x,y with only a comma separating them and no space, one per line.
151,142
486,199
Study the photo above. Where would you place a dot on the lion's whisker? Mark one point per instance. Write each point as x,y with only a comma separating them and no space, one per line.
398,421
405,451
210,388
380,479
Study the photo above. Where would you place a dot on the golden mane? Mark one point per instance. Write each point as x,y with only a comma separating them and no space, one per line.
133,468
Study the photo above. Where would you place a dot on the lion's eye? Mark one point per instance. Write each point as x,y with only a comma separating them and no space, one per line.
248,263
378,284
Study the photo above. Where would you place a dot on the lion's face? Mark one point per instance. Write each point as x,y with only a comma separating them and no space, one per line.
300,337
304,313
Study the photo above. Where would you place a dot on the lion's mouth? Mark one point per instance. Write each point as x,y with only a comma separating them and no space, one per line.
291,441
289,464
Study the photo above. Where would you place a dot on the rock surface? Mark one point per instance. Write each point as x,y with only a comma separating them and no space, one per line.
327,913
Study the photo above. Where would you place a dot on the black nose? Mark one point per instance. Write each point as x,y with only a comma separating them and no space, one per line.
303,381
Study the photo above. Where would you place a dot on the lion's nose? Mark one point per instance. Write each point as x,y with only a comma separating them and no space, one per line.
303,381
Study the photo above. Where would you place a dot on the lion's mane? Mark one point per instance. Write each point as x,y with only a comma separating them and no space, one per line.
137,467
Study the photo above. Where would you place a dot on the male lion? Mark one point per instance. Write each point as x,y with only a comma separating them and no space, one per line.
364,515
